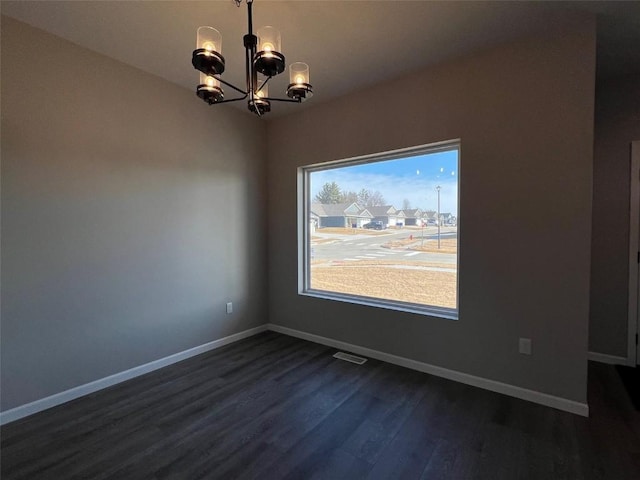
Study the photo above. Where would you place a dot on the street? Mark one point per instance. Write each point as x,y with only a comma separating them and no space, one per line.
363,246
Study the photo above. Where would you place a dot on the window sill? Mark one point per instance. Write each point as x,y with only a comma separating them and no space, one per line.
439,312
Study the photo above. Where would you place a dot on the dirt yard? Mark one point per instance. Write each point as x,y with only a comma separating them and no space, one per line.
447,245
388,282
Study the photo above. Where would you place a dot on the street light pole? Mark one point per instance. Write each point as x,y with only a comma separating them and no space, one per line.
438,215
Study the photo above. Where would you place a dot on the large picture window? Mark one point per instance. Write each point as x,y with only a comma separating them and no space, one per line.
383,229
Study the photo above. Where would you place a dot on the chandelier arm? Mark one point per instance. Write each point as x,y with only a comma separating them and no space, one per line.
231,100
290,100
243,92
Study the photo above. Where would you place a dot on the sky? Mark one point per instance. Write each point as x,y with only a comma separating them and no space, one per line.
414,178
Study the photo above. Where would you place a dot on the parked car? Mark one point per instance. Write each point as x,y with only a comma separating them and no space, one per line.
377,225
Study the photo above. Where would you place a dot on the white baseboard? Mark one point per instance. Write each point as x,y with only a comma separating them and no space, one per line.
564,404
499,387
605,358
82,390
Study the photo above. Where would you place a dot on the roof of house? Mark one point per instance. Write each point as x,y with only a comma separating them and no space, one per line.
412,212
338,210
385,210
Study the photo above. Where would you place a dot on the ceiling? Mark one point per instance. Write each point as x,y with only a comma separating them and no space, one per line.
348,44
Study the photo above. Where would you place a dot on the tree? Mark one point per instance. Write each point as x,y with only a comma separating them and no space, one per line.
363,197
376,199
330,193
349,197
406,204
366,198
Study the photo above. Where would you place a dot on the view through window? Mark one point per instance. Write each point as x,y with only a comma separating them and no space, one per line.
385,229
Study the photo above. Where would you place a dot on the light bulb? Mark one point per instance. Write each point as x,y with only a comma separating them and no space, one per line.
267,47
299,79
210,47
209,81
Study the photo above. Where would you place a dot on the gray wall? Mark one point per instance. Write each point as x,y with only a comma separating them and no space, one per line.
131,212
617,124
524,113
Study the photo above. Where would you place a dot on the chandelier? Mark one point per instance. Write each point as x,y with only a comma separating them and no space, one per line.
263,57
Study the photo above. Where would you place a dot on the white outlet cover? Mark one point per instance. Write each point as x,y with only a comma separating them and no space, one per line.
229,307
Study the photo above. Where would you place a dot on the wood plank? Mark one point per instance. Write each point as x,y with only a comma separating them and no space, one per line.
273,406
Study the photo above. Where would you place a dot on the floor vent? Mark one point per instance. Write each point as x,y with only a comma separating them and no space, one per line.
350,358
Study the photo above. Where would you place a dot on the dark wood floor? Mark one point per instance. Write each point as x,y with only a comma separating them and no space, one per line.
275,407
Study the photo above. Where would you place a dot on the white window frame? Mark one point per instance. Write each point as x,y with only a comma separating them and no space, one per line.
304,241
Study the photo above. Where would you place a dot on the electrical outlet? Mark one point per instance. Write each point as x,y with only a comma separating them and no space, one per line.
524,346
229,307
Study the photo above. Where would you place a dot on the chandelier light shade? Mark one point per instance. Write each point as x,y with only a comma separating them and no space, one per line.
268,60
207,56
299,88
260,105
263,56
209,89
209,39
264,92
